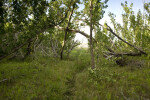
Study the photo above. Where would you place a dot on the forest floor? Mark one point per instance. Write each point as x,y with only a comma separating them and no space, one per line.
47,78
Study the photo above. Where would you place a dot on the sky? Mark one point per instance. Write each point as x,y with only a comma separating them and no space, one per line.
115,7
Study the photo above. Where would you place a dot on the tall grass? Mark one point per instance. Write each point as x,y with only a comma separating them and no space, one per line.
47,78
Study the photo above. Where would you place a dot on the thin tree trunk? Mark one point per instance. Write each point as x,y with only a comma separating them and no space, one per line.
91,29
28,49
65,38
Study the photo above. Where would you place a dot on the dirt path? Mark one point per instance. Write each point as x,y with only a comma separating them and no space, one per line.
71,85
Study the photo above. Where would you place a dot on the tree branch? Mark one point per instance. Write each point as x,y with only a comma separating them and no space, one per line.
75,31
109,29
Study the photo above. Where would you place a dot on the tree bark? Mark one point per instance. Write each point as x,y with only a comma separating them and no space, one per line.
91,29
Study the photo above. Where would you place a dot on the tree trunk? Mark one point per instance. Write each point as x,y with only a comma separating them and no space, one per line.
91,29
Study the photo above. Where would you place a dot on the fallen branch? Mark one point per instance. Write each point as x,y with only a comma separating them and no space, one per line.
3,80
121,54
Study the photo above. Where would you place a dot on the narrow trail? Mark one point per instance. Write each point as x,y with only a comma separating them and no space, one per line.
71,85
81,62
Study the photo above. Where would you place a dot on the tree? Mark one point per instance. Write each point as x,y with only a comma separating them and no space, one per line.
92,18
24,20
72,5
132,34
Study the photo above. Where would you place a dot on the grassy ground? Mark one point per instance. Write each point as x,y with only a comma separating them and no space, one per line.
72,79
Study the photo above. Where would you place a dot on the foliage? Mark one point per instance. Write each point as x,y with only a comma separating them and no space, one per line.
135,29
24,21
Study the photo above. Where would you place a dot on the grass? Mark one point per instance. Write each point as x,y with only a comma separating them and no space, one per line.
111,82
42,79
72,79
